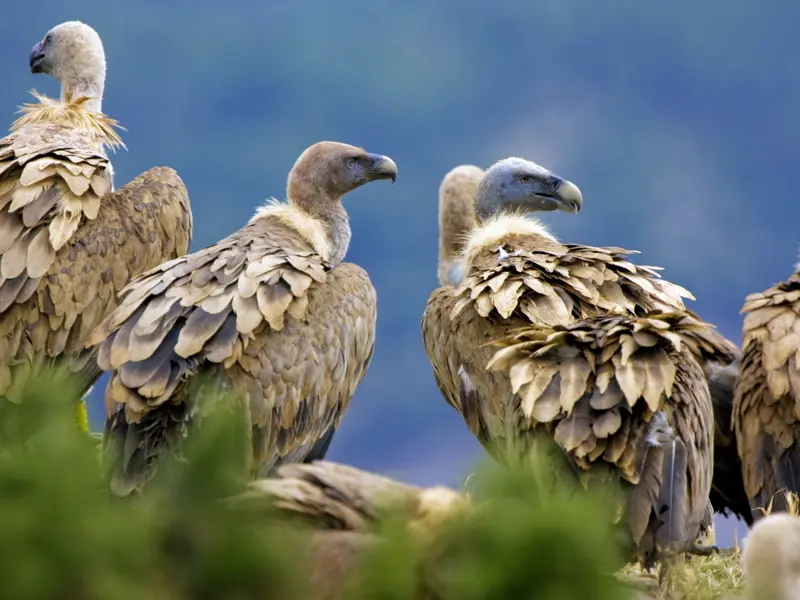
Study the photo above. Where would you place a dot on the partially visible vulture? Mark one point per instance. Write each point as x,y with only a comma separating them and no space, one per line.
68,242
771,559
456,220
331,496
345,508
626,400
766,409
270,314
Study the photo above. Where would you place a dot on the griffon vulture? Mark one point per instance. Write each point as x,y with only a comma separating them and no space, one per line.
270,312
626,400
68,243
766,418
517,275
456,220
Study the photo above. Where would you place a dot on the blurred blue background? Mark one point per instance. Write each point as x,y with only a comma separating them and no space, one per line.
678,120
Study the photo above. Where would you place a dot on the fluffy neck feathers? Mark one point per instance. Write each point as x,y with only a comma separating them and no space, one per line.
72,112
311,228
492,232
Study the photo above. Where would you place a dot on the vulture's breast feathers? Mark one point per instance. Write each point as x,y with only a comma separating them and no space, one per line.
515,266
211,304
53,174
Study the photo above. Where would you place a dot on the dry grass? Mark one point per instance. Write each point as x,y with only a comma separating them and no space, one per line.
718,576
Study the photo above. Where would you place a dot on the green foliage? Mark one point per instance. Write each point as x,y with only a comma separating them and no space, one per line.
529,539
64,535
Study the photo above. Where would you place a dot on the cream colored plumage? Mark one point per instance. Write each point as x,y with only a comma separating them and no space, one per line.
771,559
270,313
68,243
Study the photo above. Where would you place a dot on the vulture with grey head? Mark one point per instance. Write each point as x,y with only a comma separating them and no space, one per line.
766,409
270,314
517,276
68,242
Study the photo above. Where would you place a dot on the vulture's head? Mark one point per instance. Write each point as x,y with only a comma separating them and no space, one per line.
518,185
71,52
335,169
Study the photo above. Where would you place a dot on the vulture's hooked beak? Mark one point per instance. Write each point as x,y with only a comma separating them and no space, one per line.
570,195
37,57
565,194
382,167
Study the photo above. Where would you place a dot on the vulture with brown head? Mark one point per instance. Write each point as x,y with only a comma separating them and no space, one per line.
766,410
270,314
68,242
517,276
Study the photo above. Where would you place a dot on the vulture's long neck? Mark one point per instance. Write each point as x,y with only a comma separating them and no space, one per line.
90,83
335,220
455,224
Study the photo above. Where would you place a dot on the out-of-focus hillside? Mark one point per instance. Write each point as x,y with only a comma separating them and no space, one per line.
677,119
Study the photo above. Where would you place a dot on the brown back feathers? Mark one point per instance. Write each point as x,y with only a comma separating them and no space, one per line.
626,397
765,413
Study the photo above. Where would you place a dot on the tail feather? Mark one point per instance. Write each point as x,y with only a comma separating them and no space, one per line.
643,498
673,498
133,449
780,469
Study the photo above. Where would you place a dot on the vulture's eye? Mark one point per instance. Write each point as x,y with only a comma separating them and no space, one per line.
524,178
351,162
48,38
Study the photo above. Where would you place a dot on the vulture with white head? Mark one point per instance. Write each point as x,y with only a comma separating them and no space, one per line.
766,409
517,276
270,314
456,220
68,242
